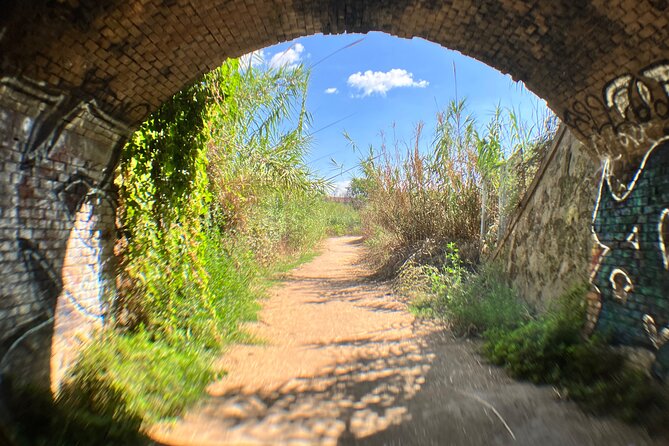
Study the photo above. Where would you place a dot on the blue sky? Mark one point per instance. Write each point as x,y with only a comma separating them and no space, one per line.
381,80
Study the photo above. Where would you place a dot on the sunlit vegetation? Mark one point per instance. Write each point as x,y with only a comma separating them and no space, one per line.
430,219
214,196
460,189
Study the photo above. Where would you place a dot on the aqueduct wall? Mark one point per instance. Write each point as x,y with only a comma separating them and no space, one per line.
76,76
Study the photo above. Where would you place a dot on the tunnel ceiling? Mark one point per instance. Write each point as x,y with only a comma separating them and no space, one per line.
601,65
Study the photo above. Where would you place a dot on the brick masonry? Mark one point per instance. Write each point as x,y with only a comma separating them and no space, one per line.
602,65
582,222
76,76
630,261
56,228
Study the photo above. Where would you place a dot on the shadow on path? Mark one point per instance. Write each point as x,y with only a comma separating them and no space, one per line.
346,363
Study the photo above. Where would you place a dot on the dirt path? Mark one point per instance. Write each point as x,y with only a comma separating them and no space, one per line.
344,362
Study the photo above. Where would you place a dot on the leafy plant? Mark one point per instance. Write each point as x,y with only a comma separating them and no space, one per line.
551,349
88,412
470,302
214,196
483,302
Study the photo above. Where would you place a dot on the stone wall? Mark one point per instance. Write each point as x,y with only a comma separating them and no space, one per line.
584,221
56,228
548,242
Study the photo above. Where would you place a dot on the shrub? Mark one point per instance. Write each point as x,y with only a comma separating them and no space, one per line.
155,379
546,349
86,413
471,302
484,301
551,349
340,218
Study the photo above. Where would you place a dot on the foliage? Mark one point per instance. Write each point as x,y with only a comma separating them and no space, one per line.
340,218
471,302
235,156
214,197
551,349
415,196
120,383
161,164
257,140
163,191
483,301
359,188
85,414
536,350
461,189
544,349
155,378
428,216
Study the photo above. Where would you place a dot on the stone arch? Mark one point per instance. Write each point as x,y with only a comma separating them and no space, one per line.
76,76
600,65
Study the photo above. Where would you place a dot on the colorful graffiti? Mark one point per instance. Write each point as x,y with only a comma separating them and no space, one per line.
630,277
627,113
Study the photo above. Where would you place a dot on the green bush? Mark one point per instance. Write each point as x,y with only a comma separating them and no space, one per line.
548,349
84,413
156,379
470,302
121,383
281,225
190,287
482,302
551,349
340,218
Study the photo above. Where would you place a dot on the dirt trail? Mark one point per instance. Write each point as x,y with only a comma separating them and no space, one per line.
343,361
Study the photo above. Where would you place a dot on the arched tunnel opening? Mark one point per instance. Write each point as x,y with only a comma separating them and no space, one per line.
78,78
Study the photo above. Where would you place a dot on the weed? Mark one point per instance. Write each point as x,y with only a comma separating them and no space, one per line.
460,189
551,349
544,349
341,219
215,195
485,301
157,379
470,302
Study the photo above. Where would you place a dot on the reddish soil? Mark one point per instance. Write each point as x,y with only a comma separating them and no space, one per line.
341,360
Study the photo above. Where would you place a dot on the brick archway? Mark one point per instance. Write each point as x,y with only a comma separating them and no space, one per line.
76,76
600,65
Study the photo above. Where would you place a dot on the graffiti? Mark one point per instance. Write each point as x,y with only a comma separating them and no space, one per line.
630,277
62,187
625,113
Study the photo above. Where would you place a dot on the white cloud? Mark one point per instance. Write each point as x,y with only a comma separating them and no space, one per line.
380,82
289,58
331,90
254,59
341,188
